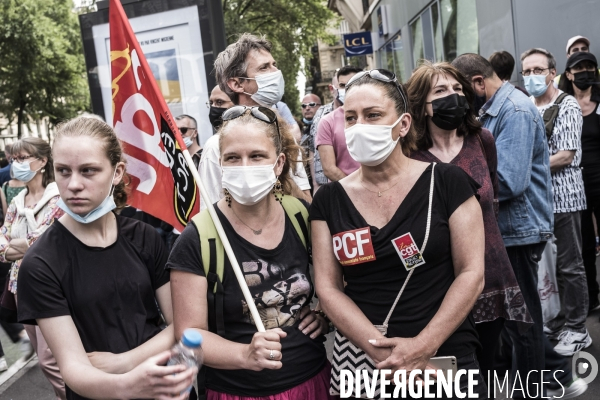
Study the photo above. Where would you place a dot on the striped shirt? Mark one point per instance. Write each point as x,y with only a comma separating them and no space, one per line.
567,184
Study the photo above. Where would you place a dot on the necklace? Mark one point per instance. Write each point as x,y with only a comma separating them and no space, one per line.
255,231
378,191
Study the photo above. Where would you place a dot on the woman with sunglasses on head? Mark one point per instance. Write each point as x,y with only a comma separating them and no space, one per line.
288,361
398,243
29,214
581,80
440,99
94,282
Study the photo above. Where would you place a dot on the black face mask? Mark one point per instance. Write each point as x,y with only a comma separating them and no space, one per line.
584,80
478,103
449,112
214,115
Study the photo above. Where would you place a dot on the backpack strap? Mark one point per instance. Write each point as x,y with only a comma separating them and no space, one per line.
551,113
213,261
298,214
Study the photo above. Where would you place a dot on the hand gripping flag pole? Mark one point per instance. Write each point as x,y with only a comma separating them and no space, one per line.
159,163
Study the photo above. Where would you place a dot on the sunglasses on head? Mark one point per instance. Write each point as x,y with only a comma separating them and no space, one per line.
262,113
311,104
184,130
381,75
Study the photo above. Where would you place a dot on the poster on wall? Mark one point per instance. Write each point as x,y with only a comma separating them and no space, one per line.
174,51
180,41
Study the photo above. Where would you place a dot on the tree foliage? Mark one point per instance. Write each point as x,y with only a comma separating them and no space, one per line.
292,26
42,72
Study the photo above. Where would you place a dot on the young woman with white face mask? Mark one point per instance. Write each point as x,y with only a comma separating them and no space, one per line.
390,232
29,215
288,361
93,281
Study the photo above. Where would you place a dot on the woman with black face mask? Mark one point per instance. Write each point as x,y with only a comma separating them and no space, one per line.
441,99
582,82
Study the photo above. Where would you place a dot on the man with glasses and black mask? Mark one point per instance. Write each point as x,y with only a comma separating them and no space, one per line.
247,73
563,119
330,139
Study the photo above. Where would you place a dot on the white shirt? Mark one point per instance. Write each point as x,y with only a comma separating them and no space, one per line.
211,172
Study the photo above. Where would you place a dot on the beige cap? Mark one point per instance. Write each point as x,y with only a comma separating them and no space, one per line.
577,38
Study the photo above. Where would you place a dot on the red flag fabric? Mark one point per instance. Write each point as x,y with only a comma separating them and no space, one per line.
161,182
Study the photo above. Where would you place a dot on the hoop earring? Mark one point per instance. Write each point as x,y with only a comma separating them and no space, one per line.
227,197
278,191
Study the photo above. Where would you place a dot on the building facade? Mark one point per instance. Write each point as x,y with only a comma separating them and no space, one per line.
407,31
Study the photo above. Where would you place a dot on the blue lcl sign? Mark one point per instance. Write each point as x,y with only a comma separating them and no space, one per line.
358,44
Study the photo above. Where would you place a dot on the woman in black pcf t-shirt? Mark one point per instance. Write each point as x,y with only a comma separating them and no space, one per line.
288,361
93,279
369,229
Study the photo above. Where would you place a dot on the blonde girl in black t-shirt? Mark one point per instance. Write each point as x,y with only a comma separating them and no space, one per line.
93,280
288,361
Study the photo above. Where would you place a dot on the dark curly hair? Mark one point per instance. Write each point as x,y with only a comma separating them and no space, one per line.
419,85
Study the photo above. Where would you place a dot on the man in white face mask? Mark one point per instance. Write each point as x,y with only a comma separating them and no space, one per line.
188,127
248,74
331,140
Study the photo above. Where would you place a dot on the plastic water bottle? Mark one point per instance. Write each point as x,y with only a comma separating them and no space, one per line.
188,351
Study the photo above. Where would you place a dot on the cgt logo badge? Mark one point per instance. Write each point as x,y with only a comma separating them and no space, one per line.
585,366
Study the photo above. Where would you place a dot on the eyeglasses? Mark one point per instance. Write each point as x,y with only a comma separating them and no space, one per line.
217,103
184,130
21,159
536,71
311,104
262,113
381,75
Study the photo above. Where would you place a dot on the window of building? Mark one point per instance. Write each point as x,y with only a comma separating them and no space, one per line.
459,24
444,30
392,57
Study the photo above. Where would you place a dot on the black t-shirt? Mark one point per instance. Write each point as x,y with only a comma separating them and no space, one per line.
373,284
590,156
280,283
109,292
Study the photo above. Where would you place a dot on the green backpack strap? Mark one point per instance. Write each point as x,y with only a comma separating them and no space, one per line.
298,214
211,247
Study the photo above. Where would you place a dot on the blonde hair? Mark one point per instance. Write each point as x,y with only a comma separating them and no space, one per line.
95,128
283,141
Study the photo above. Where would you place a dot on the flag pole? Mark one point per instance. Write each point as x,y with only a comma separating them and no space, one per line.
227,246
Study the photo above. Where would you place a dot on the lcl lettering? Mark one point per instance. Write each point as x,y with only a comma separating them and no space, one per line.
356,42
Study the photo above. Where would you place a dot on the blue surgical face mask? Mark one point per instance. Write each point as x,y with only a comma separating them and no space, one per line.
536,84
306,121
104,208
22,171
188,141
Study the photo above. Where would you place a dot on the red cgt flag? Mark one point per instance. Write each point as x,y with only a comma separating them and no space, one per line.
161,182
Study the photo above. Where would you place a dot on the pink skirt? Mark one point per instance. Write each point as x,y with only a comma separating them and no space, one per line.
316,388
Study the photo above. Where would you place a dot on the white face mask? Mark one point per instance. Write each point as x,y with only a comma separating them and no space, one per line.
188,141
249,184
270,88
341,95
371,145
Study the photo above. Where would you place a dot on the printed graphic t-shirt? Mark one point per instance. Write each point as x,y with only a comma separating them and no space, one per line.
567,183
280,282
109,292
374,282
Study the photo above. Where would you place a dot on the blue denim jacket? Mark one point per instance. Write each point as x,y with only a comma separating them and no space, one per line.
525,186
